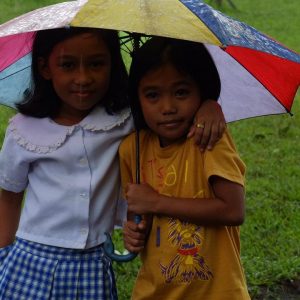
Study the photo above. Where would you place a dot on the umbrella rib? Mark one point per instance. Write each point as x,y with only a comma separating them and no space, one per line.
14,73
203,21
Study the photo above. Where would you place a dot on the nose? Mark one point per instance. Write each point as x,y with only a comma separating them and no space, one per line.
168,106
82,76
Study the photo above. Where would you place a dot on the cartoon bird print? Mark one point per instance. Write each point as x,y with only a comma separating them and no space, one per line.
188,264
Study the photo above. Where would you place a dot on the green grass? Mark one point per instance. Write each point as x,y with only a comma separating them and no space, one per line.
5,114
270,148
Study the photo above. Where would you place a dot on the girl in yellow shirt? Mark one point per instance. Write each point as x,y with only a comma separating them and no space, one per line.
195,200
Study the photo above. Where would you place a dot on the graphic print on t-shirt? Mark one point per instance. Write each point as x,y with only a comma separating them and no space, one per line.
188,264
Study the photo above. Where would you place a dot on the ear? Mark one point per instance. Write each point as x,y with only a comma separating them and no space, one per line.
43,68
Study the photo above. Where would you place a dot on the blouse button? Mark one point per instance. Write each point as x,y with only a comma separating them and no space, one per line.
83,161
83,231
83,195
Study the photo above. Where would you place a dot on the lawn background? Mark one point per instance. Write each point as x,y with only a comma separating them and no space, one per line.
270,148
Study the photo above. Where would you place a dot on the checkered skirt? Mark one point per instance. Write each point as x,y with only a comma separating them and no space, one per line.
31,271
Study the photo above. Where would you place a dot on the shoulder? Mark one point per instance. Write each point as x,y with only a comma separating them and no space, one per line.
100,120
40,135
144,136
129,142
224,160
21,120
225,144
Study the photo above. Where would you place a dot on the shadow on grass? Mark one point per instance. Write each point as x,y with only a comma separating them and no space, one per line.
285,290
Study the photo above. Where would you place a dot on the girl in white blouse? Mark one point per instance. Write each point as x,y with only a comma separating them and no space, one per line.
62,149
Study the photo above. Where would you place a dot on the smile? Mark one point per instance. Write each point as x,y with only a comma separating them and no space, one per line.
82,94
170,123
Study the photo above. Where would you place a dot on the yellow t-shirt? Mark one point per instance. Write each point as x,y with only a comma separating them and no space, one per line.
184,261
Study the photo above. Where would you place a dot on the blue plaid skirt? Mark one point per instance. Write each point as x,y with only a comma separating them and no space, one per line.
32,271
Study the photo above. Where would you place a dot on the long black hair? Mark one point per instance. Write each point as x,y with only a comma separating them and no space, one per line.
187,57
41,100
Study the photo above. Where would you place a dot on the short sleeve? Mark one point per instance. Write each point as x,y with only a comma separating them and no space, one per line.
224,161
127,160
13,166
126,166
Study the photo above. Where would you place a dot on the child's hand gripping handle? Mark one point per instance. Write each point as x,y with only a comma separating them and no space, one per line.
109,247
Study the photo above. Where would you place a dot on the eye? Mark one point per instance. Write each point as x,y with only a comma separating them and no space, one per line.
97,64
182,92
151,95
66,65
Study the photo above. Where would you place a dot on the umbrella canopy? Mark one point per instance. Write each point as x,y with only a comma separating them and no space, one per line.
259,76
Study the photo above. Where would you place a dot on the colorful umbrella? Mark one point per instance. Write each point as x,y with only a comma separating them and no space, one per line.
259,75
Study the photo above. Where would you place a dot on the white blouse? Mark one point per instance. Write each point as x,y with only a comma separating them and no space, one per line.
70,173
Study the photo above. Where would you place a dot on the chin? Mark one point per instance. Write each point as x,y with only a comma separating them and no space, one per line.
170,140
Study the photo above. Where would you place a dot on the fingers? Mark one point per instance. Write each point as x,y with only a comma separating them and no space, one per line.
134,236
133,245
191,131
209,125
206,133
222,128
207,137
202,134
213,137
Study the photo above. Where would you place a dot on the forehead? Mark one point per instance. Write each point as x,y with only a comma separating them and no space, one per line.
166,74
82,44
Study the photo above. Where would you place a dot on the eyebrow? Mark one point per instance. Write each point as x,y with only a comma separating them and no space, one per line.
175,84
71,56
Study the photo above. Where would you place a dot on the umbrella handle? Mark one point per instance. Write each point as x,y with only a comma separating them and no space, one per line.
109,247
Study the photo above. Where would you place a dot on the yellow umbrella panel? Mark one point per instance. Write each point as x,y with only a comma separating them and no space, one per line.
169,18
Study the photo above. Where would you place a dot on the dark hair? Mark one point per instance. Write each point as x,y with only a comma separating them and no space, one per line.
41,100
187,57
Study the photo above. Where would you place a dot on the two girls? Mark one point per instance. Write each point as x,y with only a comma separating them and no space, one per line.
62,150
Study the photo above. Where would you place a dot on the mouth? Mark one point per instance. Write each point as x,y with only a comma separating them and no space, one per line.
170,123
82,93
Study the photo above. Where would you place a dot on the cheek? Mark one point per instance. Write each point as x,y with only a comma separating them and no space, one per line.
149,112
59,85
143,105
104,80
193,107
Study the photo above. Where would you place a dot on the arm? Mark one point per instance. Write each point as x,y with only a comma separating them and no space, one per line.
226,208
210,115
10,211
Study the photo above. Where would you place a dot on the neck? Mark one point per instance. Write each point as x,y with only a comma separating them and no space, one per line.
165,143
69,117
67,121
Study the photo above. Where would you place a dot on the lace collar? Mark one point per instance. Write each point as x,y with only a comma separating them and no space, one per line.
42,135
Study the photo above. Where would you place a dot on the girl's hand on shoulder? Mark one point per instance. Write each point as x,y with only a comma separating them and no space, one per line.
209,125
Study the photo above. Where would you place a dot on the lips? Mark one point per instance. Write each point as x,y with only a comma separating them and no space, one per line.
82,93
170,123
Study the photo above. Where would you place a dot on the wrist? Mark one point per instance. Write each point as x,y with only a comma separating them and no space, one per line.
160,203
